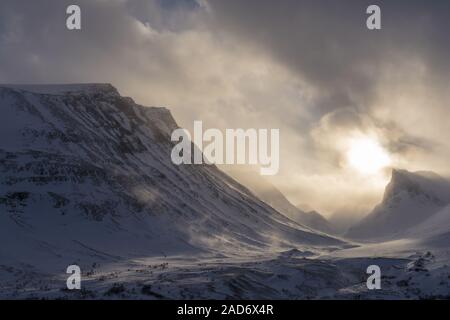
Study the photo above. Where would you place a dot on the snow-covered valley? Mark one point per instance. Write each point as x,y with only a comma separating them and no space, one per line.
293,274
86,179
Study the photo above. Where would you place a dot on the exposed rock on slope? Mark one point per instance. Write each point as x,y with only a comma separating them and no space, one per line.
86,172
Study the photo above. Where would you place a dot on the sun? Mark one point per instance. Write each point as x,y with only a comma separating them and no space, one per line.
367,156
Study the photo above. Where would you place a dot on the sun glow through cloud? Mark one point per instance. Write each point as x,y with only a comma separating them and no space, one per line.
367,156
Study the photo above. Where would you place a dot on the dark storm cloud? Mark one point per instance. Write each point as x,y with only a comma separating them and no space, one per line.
328,43
35,45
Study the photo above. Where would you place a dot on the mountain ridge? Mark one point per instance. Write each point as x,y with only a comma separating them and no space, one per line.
91,172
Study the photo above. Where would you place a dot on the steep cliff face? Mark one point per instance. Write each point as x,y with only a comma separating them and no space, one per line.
84,169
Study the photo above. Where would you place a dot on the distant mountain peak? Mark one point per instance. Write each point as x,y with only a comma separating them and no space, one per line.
418,183
400,180
409,199
400,176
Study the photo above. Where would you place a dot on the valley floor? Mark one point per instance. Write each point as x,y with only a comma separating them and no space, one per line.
292,274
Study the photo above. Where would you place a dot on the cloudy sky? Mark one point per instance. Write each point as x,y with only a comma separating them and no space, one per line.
310,68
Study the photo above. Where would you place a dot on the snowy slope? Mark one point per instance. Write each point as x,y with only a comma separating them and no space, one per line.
434,230
409,200
85,174
86,178
267,192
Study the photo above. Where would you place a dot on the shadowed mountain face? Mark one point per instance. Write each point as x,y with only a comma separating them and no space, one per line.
86,172
410,199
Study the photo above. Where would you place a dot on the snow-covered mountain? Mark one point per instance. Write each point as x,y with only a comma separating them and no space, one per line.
86,178
410,199
267,192
86,174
